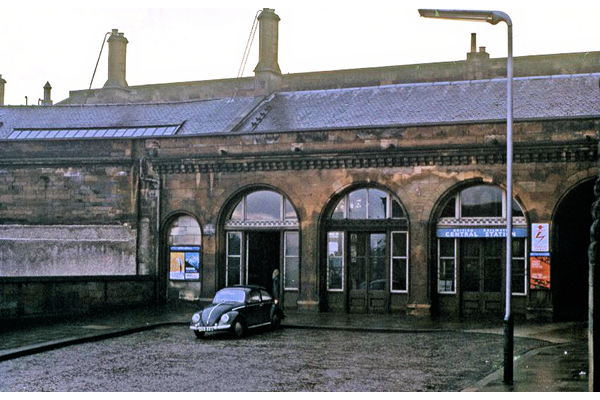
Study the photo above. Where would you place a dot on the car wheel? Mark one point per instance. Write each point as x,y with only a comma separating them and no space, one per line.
199,334
276,321
238,328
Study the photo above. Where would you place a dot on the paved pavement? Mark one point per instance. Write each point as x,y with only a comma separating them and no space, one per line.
562,366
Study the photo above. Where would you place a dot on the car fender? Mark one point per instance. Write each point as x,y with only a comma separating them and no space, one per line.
275,309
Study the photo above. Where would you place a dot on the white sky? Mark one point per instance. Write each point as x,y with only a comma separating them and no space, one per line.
185,40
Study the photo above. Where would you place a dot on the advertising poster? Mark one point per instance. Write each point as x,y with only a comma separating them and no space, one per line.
177,270
185,263
540,271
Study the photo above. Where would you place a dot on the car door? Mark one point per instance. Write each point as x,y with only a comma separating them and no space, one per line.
253,308
266,307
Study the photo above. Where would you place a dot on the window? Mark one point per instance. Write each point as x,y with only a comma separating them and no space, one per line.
399,262
335,261
234,258
519,266
478,212
367,204
446,266
479,202
20,134
291,260
367,239
263,205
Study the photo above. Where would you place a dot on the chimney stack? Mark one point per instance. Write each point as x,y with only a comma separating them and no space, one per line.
117,55
47,97
267,71
2,82
478,63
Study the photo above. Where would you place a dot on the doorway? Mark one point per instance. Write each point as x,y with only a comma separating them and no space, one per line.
569,268
367,273
481,276
264,256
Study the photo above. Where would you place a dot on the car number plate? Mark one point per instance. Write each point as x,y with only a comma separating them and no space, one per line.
206,328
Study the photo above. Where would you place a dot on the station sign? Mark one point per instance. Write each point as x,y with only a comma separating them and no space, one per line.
479,232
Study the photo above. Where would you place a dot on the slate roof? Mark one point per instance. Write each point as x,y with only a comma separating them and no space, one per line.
197,117
547,97
563,96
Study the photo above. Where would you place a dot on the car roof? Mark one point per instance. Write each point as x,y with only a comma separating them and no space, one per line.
245,287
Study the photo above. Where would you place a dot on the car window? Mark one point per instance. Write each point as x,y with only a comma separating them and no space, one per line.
229,295
254,296
265,295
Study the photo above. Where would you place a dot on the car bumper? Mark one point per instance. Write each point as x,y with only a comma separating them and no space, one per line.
212,328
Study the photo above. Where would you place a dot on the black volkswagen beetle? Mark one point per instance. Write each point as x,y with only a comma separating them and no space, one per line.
236,309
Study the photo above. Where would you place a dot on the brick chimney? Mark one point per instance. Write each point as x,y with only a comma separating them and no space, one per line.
2,83
267,71
117,55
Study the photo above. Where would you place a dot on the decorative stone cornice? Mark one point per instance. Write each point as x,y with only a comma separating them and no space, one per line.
466,155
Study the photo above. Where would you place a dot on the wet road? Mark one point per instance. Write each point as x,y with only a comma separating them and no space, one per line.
172,359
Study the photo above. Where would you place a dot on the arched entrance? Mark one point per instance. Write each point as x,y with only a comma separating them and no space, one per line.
470,253
367,252
569,268
261,236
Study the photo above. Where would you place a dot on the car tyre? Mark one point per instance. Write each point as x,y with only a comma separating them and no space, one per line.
238,328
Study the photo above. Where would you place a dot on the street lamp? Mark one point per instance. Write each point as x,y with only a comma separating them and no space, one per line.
493,17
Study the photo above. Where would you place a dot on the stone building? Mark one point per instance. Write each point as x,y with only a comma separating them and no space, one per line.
377,190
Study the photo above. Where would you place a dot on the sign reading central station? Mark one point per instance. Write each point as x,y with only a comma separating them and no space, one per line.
479,232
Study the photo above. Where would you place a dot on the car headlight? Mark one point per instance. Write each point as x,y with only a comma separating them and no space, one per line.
224,319
196,318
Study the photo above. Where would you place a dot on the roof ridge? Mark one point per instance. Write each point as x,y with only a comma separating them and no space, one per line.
443,83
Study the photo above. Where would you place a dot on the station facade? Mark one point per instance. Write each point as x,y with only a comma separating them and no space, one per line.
378,190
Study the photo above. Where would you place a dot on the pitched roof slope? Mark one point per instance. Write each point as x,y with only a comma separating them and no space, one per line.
563,96
548,97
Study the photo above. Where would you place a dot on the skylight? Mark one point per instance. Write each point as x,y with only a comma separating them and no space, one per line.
93,133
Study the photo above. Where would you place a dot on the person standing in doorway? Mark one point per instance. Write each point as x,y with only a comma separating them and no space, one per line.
276,286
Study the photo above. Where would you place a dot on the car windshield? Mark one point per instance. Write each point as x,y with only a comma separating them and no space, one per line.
230,295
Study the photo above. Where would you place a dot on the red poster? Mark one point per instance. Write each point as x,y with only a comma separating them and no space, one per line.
540,272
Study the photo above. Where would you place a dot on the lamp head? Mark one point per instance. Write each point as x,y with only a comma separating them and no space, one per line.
492,17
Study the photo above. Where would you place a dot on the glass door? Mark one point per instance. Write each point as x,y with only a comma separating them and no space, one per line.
367,272
481,276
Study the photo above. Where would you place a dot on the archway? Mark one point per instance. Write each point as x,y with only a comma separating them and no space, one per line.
571,238
262,236
366,243
470,253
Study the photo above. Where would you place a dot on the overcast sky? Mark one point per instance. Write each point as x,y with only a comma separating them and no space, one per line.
184,40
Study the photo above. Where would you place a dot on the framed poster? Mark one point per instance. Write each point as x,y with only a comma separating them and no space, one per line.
539,278
185,263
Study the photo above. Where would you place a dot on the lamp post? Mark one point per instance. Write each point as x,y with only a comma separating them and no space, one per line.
493,17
